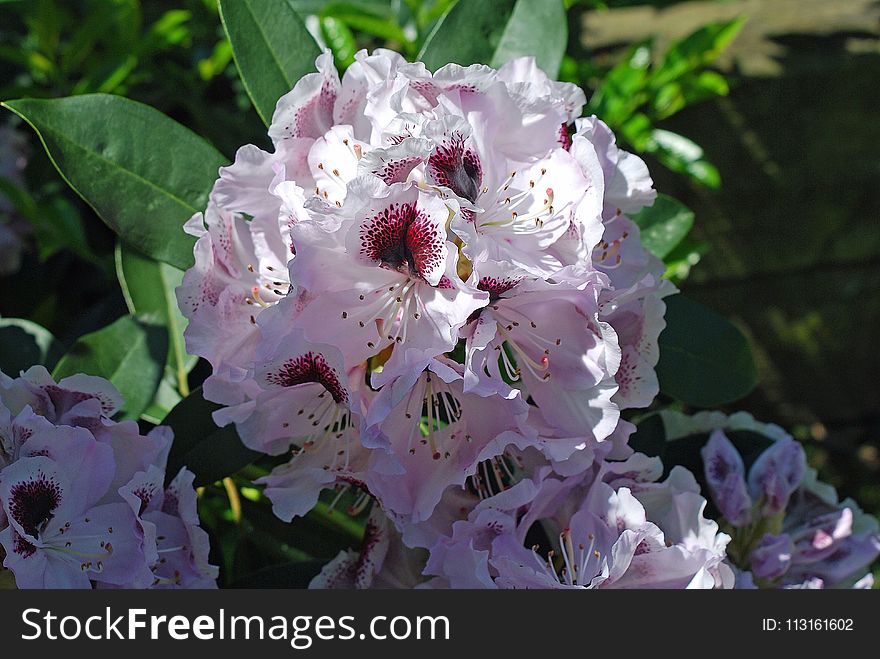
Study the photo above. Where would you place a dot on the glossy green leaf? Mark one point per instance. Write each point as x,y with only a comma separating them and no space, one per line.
339,39
636,129
690,89
683,258
373,19
148,288
623,89
682,155
169,30
668,100
704,359
212,453
697,49
495,31
166,398
538,28
24,344
55,222
130,353
427,12
217,62
709,83
143,173
271,46
467,34
664,225
704,85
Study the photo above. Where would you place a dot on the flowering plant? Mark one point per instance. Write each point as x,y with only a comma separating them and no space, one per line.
440,298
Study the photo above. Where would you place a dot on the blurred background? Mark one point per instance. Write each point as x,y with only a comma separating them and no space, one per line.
761,116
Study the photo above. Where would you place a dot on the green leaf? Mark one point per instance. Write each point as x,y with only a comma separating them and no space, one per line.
340,40
538,28
217,62
683,258
705,84
427,12
711,82
689,89
668,100
697,49
58,226
271,46
704,359
495,31
375,20
148,288
664,225
467,34
636,129
108,76
129,352
143,173
169,30
623,88
167,396
211,453
24,344
682,155
55,221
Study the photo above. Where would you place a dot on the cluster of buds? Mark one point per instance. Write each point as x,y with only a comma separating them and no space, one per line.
788,529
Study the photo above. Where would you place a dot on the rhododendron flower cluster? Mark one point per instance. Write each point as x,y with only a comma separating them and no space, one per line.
430,290
613,526
789,529
85,501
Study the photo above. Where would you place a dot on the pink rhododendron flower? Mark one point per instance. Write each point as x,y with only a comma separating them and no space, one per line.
169,518
550,337
599,534
61,534
443,447
383,561
83,497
